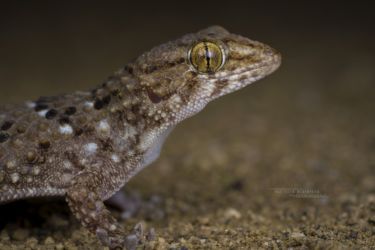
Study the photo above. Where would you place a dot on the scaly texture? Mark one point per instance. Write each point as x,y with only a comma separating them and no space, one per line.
87,145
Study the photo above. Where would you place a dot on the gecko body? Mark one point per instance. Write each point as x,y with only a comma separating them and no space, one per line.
87,145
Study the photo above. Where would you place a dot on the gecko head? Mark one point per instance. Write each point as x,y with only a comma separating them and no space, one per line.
180,77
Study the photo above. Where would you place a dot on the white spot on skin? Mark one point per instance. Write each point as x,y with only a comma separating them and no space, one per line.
67,165
66,129
115,158
36,170
30,192
65,178
15,177
11,164
83,161
89,104
129,132
42,113
30,105
90,148
103,126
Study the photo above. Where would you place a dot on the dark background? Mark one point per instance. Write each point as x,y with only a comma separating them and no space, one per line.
286,162
52,47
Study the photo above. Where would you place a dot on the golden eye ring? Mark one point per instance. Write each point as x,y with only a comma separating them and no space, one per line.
206,57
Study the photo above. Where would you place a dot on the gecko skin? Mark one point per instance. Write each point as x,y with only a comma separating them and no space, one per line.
85,146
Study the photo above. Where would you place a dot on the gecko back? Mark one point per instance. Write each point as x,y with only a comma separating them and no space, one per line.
45,143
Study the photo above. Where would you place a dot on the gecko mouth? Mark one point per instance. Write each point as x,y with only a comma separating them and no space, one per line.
245,76
263,68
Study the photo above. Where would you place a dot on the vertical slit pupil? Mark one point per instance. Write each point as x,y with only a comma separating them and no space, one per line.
207,57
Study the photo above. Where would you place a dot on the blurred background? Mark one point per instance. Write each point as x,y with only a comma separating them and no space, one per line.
286,162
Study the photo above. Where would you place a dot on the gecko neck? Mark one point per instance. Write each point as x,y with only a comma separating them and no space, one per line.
124,100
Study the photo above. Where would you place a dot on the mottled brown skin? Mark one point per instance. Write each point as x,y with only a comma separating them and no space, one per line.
87,145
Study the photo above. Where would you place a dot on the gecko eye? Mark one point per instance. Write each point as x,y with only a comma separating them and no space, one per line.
206,57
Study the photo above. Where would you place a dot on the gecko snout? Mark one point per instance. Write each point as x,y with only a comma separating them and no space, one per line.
273,57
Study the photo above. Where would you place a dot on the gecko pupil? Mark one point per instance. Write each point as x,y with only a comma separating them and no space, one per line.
206,57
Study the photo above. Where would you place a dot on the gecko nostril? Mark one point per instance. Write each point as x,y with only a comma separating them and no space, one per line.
271,52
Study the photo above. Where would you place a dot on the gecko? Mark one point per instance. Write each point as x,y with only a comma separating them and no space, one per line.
87,145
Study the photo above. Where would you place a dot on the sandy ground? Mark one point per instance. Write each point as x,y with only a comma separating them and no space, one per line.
285,163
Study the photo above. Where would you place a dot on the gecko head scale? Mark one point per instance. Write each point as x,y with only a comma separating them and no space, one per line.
182,76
